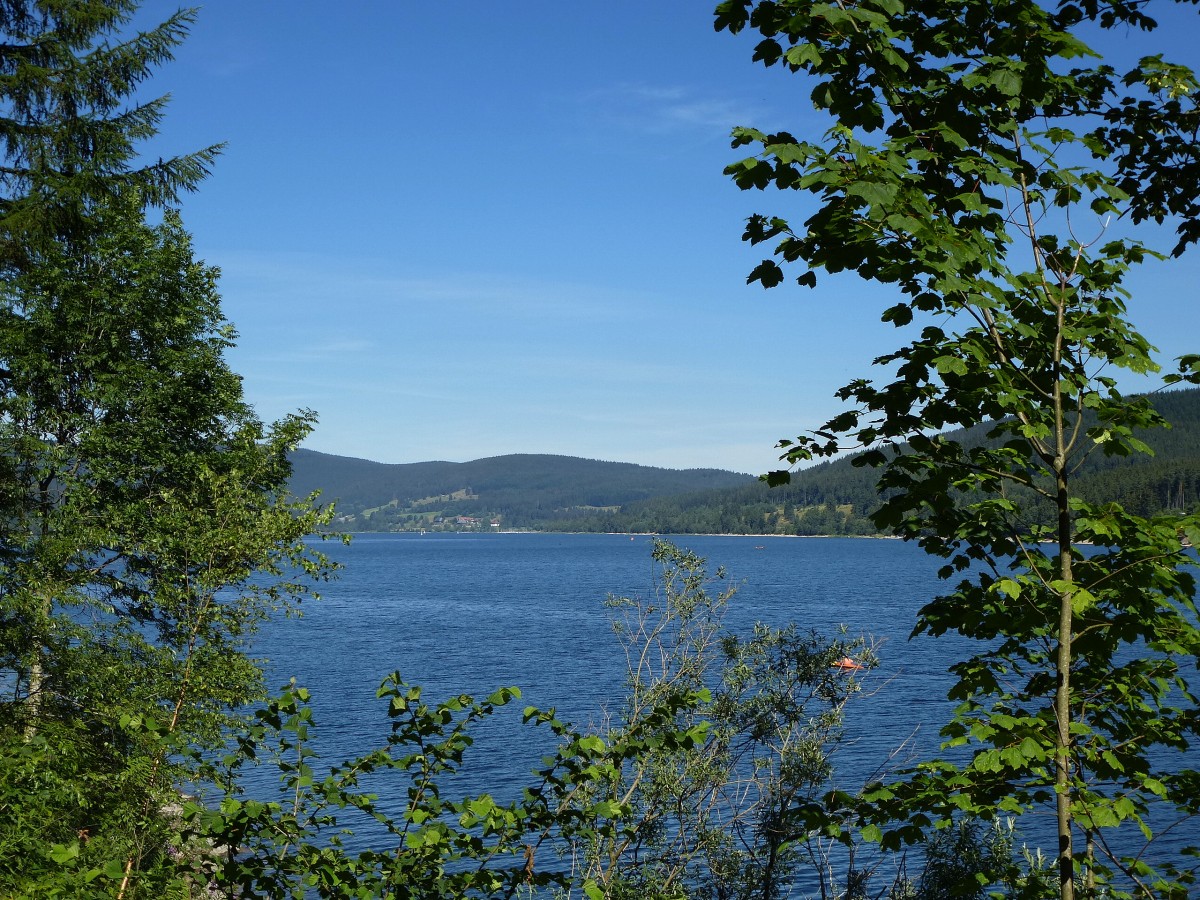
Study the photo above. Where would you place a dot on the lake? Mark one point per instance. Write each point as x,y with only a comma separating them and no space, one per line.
473,612
464,612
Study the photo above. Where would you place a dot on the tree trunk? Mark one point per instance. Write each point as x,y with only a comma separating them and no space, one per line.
1062,702
37,671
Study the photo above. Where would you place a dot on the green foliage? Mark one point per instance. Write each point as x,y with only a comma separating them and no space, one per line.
429,844
75,809
144,498
148,532
970,861
69,126
971,147
146,527
739,813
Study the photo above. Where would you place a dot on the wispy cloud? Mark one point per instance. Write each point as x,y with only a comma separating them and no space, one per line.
664,109
377,289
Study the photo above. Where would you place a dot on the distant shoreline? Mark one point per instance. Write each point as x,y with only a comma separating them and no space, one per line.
658,534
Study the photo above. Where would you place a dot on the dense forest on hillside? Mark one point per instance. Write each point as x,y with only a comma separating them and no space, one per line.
518,491
559,493
837,497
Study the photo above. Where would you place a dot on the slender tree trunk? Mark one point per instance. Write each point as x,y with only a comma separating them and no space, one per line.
1089,863
37,670
1062,703
42,611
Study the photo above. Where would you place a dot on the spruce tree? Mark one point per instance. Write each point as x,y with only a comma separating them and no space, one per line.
70,126
146,527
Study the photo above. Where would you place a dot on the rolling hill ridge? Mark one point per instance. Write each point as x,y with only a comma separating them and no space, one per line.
522,491
561,493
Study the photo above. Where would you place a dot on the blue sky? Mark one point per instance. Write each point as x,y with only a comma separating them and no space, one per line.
463,230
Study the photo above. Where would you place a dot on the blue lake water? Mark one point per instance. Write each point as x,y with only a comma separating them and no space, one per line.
473,612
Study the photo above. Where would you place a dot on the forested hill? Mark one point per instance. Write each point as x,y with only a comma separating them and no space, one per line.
517,491
837,497
561,493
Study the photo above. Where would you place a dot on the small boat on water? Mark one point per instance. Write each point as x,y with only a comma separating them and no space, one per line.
846,664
